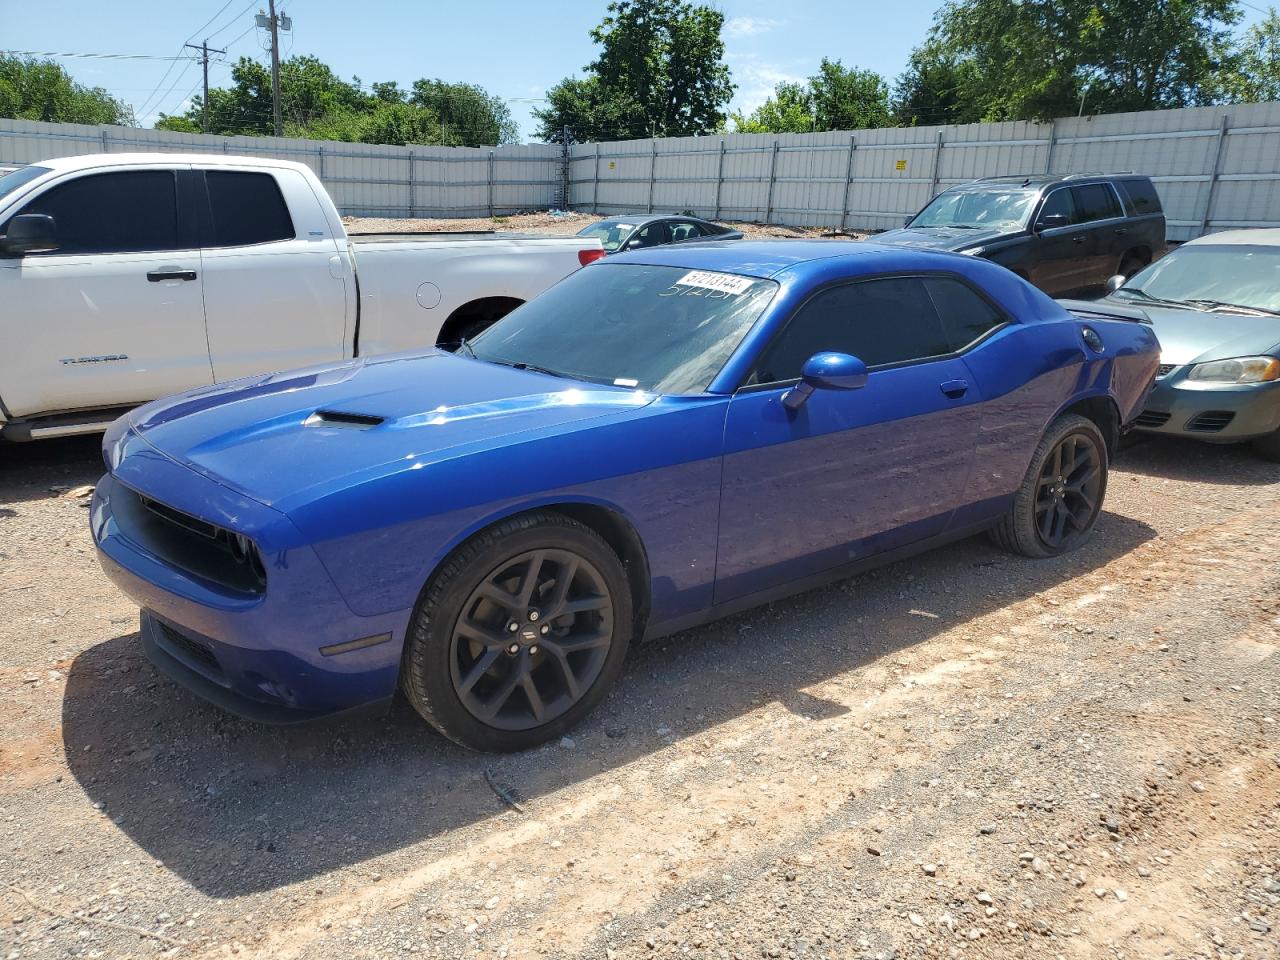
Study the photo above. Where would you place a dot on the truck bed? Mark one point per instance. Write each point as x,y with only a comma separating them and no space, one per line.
444,236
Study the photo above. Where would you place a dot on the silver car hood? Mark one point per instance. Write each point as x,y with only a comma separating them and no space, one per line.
1197,336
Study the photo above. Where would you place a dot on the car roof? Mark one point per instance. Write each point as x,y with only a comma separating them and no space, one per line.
768,258
98,160
1266,237
640,219
1047,179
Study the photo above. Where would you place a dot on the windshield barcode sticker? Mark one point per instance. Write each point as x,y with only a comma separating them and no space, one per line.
723,282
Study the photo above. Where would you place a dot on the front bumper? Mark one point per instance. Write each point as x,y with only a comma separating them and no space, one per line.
1216,412
256,655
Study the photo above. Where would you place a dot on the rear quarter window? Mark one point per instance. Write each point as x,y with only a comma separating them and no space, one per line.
1140,197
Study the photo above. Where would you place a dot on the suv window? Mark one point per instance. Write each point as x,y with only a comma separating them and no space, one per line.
879,321
247,208
1095,201
1140,196
1059,202
966,316
127,212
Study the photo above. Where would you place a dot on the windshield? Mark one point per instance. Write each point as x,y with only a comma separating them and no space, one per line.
664,329
1242,275
12,181
987,208
612,234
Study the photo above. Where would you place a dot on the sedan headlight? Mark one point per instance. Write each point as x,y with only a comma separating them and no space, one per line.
1239,370
972,251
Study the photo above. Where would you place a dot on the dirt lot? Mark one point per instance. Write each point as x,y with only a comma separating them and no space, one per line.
967,755
559,224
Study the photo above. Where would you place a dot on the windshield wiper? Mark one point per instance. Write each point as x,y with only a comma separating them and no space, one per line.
521,365
1219,304
1139,292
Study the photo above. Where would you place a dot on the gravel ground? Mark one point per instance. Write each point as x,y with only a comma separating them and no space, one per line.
966,755
564,224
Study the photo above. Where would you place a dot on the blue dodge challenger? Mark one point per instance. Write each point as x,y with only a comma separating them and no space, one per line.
660,439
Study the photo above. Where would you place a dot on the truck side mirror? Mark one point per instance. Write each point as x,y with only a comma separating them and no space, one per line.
30,233
1052,220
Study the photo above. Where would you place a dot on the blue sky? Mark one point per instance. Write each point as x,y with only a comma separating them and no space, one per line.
511,48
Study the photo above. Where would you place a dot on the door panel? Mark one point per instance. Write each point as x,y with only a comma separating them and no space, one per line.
115,315
1100,208
1064,254
849,475
273,298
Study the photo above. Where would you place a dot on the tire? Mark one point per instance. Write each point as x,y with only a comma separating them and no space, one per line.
1268,447
457,663
1071,496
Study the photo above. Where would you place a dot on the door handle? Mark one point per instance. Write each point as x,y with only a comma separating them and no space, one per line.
1120,231
955,389
1078,238
170,273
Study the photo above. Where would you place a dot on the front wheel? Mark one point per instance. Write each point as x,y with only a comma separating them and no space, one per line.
1057,506
519,634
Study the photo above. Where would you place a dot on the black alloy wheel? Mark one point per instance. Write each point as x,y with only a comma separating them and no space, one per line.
531,638
1069,491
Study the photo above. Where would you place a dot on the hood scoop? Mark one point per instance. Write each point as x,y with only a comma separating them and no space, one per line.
340,418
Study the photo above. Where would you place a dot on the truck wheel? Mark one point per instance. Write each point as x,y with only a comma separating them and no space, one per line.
1057,506
1268,447
519,634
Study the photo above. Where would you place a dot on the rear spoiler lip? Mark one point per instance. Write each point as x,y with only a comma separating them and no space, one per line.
1091,310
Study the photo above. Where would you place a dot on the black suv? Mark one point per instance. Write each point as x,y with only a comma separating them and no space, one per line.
1066,234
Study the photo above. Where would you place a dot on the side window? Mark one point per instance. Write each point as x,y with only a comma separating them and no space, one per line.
966,316
1141,196
247,208
1095,201
131,211
651,236
1059,202
879,321
682,230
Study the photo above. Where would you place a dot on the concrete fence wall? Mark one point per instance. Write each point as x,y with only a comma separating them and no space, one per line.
1215,168
363,179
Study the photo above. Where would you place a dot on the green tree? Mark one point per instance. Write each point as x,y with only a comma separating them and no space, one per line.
660,73
42,90
789,110
835,98
1256,74
318,104
995,60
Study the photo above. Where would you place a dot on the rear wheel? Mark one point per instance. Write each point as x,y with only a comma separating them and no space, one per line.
1057,506
1268,447
519,634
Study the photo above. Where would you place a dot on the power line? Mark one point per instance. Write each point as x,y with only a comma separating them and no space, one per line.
98,56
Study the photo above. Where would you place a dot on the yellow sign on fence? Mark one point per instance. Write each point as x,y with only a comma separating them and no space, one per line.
900,165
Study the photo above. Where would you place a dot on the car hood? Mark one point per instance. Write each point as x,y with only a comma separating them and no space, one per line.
1194,336
275,438
938,238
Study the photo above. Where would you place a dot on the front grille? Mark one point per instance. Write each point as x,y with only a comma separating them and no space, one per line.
1165,369
1151,418
193,652
1211,421
189,543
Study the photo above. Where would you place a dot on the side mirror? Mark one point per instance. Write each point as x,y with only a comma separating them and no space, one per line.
1051,220
907,222
1115,283
826,371
30,233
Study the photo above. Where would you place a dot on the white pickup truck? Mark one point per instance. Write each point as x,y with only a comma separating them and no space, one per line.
126,277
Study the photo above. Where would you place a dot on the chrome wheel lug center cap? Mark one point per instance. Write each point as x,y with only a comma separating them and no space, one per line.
512,627
533,616
513,649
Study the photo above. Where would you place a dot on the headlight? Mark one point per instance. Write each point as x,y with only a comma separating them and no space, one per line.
1239,370
972,251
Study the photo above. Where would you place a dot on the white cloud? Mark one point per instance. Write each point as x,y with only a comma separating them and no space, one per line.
756,79
749,26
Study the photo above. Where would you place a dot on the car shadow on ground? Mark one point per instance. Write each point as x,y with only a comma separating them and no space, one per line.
44,469
1193,461
233,808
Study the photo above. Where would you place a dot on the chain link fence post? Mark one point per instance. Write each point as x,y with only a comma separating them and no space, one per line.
773,170
719,181
1218,153
848,183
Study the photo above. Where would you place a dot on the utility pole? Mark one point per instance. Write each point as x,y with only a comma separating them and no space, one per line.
275,23
204,63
